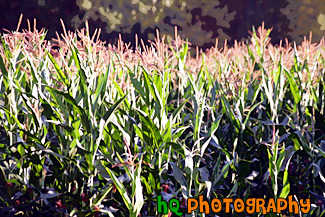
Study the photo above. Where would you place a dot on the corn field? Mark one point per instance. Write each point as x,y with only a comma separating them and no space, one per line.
89,129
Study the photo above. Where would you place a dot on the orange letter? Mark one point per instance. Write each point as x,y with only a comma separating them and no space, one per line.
260,205
293,204
305,207
227,201
239,205
250,203
216,207
279,206
271,205
191,208
203,204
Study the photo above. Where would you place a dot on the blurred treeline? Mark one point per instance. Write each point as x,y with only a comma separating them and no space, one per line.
199,21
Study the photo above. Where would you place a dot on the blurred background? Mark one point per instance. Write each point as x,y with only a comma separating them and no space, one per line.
199,21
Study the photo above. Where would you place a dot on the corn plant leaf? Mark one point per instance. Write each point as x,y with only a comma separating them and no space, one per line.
59,70
137,192
293,86
179,176
68,98
223,174
249,113
230,113
112,108
101,87
102,195
121,189
4,71
286,185
139,87
152,87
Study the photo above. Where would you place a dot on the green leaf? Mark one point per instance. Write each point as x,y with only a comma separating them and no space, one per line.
102,195
137,189
249,113
121,189
68,98
101,87
112,108
286,185
230,113
59,70
293,86
139,87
